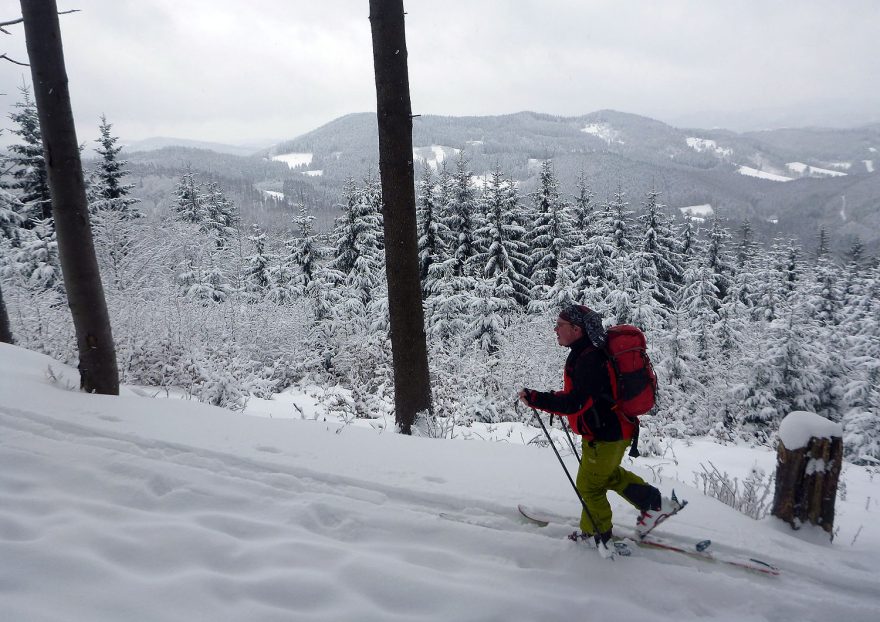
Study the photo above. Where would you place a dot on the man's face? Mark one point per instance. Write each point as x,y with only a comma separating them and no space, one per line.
567,333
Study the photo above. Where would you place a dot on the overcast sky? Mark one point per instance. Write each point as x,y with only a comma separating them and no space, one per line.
237,71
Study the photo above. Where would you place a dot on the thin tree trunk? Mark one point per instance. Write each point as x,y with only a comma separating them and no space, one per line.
412,387
5,329
82,280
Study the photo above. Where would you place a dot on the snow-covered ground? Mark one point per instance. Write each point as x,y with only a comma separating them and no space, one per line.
813,171
274,194
133,508
604,131
706,144
700,212
294,159
482,181
434,155
753,172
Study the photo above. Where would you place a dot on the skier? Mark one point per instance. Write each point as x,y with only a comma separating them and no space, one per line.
587,403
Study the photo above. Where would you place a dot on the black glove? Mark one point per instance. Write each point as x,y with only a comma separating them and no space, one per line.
528,396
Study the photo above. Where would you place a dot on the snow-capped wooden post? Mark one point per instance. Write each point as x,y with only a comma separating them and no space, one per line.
808,462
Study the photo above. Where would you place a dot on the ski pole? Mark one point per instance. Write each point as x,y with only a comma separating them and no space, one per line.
564,468
570,441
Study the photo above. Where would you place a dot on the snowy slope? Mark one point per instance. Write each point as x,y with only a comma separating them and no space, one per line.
133,508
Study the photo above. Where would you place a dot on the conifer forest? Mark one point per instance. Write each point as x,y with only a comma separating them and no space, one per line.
741,332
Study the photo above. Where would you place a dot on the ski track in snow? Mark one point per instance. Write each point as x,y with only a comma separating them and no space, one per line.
108,515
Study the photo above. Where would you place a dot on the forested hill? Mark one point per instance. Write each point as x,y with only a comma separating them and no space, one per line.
786,181
739,175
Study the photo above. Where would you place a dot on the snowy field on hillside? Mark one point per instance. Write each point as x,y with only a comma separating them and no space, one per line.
698,211
753,172
706,144
603,131
135,508
805,169
294,159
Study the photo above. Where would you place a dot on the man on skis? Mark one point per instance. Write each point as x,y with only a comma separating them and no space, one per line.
586,400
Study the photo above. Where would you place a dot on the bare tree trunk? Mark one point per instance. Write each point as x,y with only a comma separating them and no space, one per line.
85,294
5,328
412,386
806,483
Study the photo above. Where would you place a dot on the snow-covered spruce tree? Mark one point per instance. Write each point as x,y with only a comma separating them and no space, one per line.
681,409
659,246
784,373
621,224
861,296
189,205
730,350
37,262
582,210
550,234
110,192
206,274
746,247
855,285
351,331
30,180
734,314
699,298
689,242
824,287
431,229
564,291
11,219
824,294
633,299
792,269
303,254
359,254
459,213
592,266
444,238
450,300
861,428
504,261
116,237
204,278
633,284
221,217
258,273
451,282
111,207
489,308
856,265
767,288
349,226
861,422
718,260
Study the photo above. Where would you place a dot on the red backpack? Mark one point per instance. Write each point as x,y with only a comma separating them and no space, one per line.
633,381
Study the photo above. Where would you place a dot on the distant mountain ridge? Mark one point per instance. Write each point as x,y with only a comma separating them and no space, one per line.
160,142
735,173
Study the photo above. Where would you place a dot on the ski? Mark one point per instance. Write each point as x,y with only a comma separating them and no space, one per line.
747,563
698,550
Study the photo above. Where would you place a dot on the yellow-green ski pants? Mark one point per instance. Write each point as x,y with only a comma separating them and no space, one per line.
600,471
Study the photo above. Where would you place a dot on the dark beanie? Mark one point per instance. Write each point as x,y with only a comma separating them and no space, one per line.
589,320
